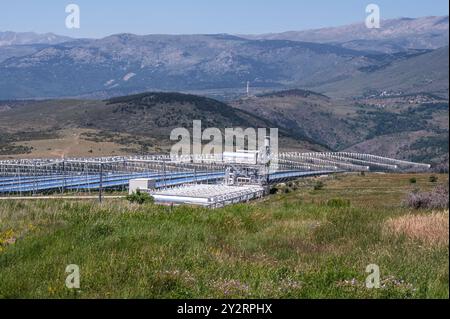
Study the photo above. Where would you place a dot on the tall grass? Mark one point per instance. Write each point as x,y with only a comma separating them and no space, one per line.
295,245
432,229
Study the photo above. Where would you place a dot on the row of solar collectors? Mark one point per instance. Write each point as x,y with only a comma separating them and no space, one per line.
209,177
289,175
20,180
92,178
93,181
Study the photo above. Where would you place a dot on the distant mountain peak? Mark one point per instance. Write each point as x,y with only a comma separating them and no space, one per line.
21,38
394,35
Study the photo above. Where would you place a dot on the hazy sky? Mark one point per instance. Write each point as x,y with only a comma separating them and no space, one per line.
101,17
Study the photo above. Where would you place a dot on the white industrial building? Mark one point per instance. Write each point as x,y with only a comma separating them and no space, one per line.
142,184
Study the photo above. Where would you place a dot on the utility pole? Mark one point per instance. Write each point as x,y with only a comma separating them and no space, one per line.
34,179
100,190
268,156
19,174
64,176
164,174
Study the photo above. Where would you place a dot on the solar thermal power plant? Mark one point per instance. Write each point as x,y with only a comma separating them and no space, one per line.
207,180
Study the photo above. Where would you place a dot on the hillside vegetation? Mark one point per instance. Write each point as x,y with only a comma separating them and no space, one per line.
404,126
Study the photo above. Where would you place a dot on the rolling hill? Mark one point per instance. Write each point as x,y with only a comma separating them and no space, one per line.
410,127
413,127
123,125
306,112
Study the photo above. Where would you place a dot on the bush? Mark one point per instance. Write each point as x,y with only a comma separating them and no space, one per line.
319,185
338,202
140,198
279,188
433,179
293,186
413,180
436,199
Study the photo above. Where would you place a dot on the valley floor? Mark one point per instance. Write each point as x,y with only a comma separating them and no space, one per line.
308,242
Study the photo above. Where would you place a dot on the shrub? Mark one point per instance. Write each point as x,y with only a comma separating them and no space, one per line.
436,199
338,202
433,179
140,198
293,186
413,180
279,188
319,185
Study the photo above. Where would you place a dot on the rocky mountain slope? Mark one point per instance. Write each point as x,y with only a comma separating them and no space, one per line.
130,63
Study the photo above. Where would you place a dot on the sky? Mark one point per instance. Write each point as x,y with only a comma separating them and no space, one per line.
100,18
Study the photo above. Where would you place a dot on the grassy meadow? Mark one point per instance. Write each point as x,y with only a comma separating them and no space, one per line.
308,242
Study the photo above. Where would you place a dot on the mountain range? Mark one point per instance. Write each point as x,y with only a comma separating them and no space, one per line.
49,66
395,35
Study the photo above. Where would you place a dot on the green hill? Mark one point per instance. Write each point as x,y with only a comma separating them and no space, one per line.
129,124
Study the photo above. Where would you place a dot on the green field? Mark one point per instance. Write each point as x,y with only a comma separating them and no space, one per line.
302,243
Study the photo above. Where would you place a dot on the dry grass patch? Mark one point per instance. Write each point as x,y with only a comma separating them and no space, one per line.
432,229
